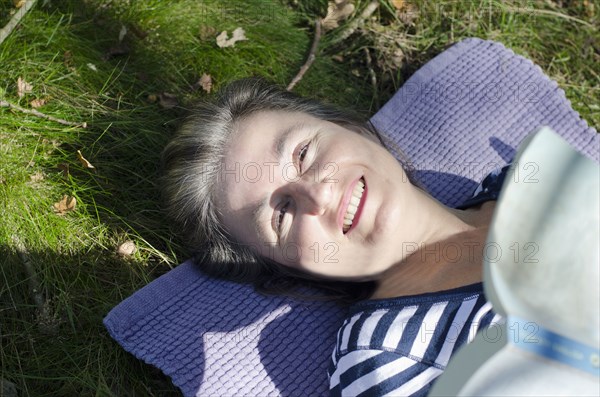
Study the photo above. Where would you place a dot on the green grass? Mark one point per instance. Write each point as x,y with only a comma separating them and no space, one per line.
80,274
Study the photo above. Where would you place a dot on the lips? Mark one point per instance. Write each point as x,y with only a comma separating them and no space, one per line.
349,205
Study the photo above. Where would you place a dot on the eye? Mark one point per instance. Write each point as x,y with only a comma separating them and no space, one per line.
302,154
282,212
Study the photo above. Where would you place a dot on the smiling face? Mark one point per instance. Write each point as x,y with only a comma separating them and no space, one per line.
316,196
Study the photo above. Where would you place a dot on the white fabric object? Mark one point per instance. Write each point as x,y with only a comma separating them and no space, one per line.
547,224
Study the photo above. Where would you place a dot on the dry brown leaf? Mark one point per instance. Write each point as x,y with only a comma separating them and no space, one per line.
408,14
66,204
36,103
37,177
206,82
19,3
238,35
23,87
83,160
128,248
167,101
398,4
336,12
152,98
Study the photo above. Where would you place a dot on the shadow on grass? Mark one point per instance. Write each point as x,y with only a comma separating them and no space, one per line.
61,347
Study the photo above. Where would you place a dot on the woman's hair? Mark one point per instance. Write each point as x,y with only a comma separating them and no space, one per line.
192,160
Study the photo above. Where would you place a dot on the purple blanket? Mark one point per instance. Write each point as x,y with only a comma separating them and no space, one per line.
458,117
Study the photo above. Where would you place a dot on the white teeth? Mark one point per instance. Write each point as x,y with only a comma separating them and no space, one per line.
357,193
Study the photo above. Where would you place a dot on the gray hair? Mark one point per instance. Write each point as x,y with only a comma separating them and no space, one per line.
191,162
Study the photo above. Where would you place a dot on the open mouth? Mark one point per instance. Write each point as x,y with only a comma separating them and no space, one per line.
354,206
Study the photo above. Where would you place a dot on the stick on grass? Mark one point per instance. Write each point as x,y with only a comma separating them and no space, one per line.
311,56
14,21
6,104
46,323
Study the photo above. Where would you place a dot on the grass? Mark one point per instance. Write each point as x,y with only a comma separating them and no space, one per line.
67,352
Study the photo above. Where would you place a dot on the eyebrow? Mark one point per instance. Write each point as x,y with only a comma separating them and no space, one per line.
259,207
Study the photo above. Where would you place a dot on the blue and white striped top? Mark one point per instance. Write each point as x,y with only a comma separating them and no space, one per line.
399,346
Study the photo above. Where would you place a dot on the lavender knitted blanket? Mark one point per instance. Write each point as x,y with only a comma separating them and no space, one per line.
458,117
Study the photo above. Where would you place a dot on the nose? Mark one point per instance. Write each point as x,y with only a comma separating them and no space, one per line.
313,197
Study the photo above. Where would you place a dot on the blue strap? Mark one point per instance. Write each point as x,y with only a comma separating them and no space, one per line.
532,337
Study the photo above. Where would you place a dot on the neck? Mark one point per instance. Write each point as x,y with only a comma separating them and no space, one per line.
450,255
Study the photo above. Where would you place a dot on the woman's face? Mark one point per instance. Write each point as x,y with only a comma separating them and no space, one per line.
290,183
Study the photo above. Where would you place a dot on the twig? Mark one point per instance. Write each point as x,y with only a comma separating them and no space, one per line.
34,282
45,320
6,104
14,21
355,24
373,76
311,55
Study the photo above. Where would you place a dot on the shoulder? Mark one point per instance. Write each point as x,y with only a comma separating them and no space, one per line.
375,372
417,334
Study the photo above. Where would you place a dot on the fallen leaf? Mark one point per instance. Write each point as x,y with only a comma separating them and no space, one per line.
19,3
206,82
128,248
92,67
238,35
167,101
408,14
23,87
336,12
36,103
66,204
338,58
83,160
152,98
398,4
207,32
37,177
122,33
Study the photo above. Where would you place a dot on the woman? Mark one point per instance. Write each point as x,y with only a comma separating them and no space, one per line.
275,189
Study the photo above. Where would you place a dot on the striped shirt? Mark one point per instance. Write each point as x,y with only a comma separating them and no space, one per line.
399,346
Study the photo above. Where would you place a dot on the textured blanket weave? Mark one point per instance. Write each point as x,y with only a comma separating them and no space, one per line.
458,117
